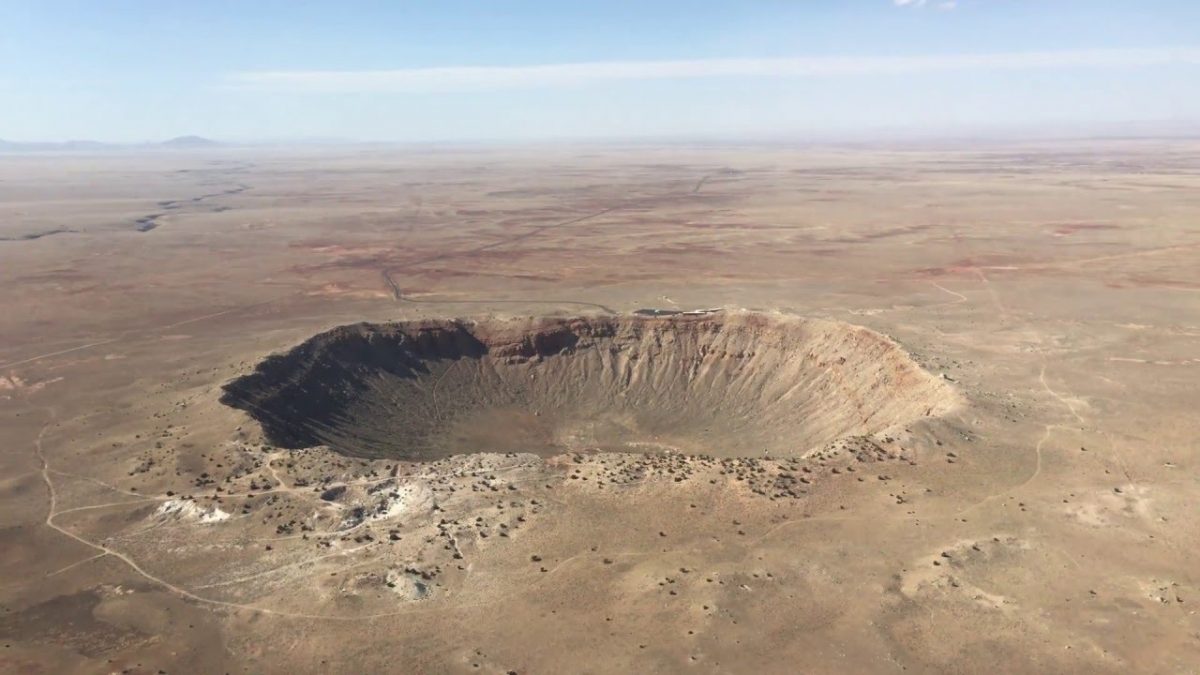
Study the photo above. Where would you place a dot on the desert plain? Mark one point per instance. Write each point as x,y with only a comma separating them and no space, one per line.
711,408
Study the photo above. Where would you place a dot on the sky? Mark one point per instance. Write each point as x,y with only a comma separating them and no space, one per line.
449,70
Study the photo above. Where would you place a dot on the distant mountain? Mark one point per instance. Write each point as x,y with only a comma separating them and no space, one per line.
177,143
189,142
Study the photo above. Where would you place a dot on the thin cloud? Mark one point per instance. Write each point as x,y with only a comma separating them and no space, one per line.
486,78
944,5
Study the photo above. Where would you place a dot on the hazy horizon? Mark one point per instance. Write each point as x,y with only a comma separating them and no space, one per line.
1134,129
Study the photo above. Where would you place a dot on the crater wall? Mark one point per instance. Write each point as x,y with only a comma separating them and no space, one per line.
723,384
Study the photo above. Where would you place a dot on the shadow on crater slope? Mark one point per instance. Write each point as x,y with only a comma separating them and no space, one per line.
723,384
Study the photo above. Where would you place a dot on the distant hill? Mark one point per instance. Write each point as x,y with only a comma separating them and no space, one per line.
189,142
177,143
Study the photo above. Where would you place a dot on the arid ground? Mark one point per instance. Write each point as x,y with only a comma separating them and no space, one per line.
943,416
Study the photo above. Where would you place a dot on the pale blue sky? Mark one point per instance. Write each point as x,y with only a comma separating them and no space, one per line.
445,70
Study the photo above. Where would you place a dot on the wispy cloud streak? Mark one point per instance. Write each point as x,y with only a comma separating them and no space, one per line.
484,78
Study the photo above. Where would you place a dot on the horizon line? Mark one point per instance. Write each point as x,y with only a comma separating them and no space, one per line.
1146,129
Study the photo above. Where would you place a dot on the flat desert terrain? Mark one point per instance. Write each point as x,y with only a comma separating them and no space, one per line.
603,409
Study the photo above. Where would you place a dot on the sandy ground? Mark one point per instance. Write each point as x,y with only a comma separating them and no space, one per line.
1047,524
